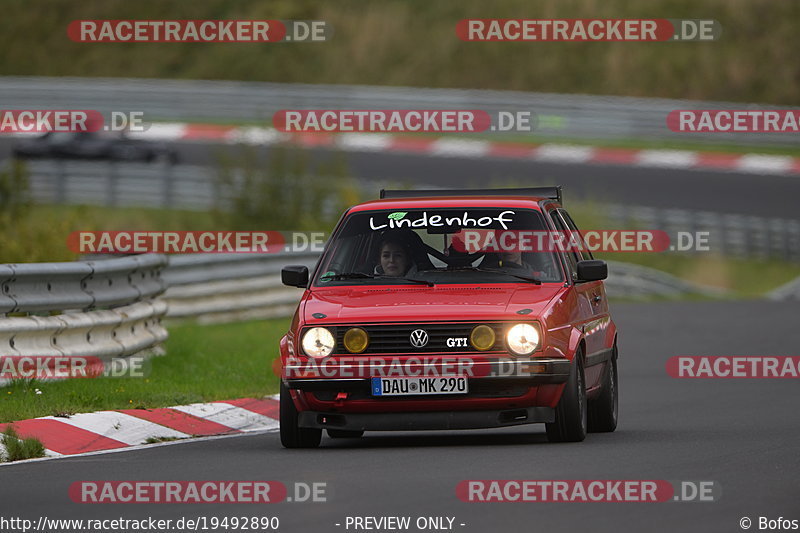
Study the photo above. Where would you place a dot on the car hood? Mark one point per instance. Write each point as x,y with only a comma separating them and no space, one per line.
442,302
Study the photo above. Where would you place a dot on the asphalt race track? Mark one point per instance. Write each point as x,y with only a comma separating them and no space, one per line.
741,434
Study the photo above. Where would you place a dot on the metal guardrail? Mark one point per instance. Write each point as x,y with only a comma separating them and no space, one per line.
626,280
728,234
118,332
104,308
114,184
215,288
563,116
84,285
190,269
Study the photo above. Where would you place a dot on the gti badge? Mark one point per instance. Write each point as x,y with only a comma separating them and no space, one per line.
419,338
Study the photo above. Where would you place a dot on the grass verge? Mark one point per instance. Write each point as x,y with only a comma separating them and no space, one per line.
203,363
19,449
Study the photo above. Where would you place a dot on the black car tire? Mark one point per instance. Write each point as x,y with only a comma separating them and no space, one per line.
345,434
293,436
603,410
571,422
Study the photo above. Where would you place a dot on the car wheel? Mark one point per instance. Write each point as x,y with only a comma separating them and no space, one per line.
603,409
344,434
571,412
293,436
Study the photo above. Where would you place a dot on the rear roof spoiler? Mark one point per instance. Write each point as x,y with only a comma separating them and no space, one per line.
554,193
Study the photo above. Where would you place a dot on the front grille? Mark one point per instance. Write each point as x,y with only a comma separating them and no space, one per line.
396,338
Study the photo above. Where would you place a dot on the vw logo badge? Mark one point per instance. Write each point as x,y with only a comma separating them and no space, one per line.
419,338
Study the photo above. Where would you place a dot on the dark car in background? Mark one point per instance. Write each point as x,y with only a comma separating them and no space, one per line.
116,146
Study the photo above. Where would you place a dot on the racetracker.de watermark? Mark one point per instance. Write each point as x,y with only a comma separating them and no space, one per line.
381,120
588,30
197,491
734,121
732,367
47,367
586,490
177,492
519,241
198,31
189,242
69,121
443,366
403,120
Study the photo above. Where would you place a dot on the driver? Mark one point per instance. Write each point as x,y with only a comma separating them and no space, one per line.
394,257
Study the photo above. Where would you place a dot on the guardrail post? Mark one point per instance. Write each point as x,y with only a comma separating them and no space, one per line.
111,190
793,239
61,182
169,184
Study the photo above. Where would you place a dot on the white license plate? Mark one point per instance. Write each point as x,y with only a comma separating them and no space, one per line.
415,386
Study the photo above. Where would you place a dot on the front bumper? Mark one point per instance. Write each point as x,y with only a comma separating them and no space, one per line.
530,371
426,420
524,395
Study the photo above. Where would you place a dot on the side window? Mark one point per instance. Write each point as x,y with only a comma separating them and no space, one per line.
572,260
585,254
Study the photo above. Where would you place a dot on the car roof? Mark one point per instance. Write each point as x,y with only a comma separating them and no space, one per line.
527,202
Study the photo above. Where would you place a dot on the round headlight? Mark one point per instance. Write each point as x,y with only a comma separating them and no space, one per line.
318,342
356,340
523,339
482,337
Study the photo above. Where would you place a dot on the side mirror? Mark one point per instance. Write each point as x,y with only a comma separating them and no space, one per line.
295,276
592,270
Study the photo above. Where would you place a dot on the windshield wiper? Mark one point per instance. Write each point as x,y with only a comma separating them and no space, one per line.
532,279
364,275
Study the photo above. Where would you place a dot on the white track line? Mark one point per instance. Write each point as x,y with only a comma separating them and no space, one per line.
460,148
161,131
119,426
364,142
667,158
230,416
255,136
761,164
563,153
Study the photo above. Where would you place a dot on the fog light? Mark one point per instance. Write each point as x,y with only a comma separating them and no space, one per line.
356,340
482,337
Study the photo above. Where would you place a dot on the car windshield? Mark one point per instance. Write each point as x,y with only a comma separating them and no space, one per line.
437,246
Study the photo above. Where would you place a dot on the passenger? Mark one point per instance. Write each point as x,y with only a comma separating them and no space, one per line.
512,259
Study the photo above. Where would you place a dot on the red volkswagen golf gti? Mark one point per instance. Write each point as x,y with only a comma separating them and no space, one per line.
433,310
